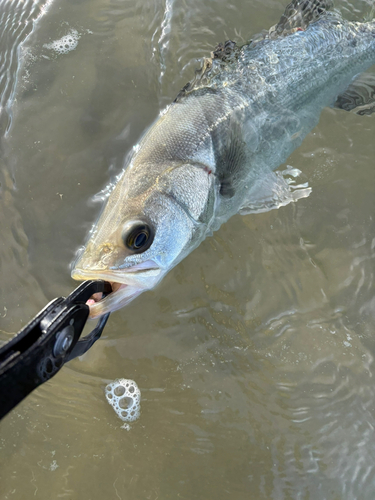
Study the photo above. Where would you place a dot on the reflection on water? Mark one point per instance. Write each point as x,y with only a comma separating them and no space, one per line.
254,356
16,23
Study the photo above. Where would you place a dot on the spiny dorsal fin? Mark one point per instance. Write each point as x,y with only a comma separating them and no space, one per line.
300,13
359,97
198,80
224,53
297,16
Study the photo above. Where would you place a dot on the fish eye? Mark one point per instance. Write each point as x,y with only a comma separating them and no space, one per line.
138,236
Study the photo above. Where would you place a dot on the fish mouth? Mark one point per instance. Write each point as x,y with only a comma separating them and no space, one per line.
126,286
120,296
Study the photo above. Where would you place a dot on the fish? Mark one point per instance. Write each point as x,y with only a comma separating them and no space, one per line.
213,151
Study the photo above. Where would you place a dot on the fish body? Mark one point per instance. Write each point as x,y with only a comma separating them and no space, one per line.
212,152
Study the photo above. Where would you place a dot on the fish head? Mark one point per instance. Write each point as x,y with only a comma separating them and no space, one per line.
139,237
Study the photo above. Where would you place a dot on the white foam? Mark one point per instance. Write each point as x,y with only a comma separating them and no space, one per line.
125,398
65,44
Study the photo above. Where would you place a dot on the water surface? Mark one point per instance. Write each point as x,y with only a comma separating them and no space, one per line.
254,356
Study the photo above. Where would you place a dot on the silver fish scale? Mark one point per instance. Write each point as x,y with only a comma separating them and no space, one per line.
175,137
263,89
288,67
326,46
308,59
180,183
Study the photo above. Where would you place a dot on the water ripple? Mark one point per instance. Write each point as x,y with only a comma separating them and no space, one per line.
163,41
16,23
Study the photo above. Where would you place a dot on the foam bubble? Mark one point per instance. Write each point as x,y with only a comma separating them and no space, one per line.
66,43
125,397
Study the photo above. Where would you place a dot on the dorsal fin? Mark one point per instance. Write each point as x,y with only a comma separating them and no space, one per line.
297,16
300,13
198,80
224,53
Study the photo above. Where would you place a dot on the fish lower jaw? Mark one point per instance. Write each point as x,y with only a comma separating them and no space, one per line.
120,296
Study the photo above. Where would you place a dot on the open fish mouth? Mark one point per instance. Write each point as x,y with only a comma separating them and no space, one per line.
120,296
134,281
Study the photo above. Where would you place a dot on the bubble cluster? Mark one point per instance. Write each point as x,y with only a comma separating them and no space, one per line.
124,396
66,43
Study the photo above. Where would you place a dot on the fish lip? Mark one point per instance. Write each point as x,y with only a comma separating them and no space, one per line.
121,276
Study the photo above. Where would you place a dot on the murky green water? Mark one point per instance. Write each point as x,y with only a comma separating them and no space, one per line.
254,356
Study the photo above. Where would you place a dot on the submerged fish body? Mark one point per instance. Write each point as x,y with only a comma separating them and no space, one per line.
212,153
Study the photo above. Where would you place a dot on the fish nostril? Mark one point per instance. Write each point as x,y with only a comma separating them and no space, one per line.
106,249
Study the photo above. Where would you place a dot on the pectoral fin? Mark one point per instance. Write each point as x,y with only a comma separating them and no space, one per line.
274,190
230,157
359,97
